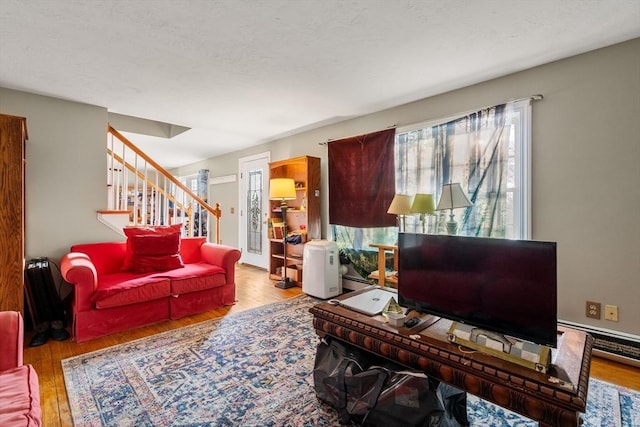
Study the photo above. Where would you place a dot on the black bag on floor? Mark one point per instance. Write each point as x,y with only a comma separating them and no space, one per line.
455,406
368,390
45,307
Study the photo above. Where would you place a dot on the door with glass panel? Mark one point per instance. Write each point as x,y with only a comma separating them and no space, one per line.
254,209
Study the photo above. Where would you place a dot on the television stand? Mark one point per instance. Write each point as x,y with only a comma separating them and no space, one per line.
543,397
527,354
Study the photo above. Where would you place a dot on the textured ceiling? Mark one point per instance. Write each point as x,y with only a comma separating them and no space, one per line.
244,72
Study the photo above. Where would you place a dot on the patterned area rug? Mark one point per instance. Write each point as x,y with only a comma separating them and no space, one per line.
253,368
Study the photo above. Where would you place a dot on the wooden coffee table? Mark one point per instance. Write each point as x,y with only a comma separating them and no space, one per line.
555,398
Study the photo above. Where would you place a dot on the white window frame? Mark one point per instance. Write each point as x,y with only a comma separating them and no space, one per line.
522,200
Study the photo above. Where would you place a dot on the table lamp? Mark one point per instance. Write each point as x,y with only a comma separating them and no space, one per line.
283,189
452,198
401,206
423,204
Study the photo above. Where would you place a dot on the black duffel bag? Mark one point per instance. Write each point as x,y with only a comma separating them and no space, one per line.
370,391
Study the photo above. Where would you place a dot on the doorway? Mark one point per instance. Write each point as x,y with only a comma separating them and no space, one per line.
254,209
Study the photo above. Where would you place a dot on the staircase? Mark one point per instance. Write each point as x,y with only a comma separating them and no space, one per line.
141,192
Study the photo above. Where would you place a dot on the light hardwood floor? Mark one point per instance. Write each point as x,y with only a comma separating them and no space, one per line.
253,289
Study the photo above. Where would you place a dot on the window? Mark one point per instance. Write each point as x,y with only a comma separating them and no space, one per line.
199,185
487,152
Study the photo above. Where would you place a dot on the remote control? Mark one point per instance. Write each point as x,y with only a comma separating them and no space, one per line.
412,322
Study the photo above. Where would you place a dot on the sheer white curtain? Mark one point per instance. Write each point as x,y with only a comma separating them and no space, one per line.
483,151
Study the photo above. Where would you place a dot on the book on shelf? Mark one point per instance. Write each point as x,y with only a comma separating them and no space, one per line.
277,227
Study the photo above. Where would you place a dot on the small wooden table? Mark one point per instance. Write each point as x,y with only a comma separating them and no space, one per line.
553,399
382,261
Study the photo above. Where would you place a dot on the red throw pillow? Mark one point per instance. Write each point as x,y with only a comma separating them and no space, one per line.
147,264
156,252
127,265
155,244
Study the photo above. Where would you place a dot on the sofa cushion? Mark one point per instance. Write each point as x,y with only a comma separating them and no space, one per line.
156,252
190,249
106,257
156,244
127,265
196,277
11,339
20,397
115,290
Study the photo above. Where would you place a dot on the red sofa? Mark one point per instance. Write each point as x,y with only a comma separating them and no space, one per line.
19,388
108,299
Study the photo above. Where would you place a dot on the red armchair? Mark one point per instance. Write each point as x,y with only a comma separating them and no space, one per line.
19,388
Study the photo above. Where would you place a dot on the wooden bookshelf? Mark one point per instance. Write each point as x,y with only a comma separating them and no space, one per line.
303,213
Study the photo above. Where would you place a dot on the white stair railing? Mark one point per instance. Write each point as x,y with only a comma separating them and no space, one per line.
142,189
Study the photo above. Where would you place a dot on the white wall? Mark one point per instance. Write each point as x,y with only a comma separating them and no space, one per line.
65,172
586,178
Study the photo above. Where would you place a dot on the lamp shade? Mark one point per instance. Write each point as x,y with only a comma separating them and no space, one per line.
453,197
282,189
423,204
400,205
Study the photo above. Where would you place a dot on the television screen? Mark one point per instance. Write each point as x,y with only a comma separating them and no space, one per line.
503,286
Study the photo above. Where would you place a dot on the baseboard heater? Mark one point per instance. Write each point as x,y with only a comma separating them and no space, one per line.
613,345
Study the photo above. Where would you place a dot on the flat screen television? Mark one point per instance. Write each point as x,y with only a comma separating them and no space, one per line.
503,286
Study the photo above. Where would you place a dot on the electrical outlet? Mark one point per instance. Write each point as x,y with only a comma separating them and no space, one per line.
593,309
611,312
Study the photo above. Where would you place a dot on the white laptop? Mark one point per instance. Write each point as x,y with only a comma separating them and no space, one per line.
371,302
